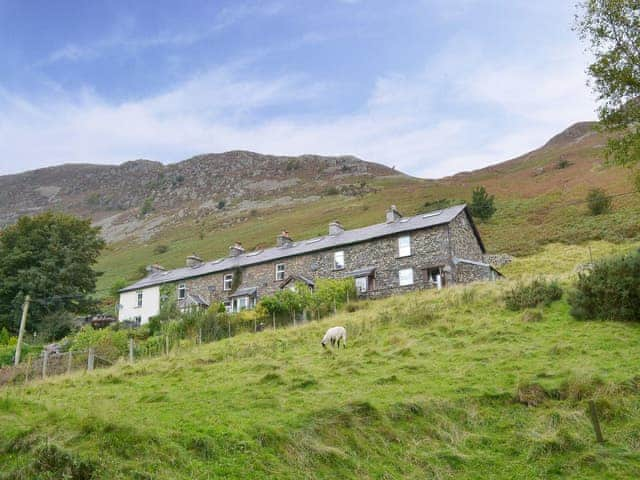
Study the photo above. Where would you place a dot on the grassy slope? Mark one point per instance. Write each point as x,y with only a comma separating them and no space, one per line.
532,211
425,390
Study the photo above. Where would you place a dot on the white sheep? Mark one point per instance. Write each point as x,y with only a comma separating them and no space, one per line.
333,335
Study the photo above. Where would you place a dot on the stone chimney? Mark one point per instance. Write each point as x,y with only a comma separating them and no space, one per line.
193,260
335,228
155,268
284,240
393,215
236,249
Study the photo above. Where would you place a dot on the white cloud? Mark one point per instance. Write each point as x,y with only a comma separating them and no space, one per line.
458,113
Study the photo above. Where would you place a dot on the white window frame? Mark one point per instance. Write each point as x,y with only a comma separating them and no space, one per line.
362,284
228,278
404,246
280,271
182,291
408,280
139,295
338,265
241,303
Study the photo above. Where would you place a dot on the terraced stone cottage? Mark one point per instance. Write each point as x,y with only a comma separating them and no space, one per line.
430,250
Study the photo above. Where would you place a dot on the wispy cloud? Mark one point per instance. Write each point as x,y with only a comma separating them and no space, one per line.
123,37
456,113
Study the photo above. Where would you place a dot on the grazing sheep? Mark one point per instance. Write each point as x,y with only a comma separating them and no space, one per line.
333,335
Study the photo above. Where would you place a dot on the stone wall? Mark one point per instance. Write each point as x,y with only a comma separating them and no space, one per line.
429,248
468,272
463,240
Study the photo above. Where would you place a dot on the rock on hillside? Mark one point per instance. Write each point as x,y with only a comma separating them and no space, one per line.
113,195
574,134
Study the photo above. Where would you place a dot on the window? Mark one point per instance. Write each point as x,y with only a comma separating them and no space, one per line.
139,300
434,276
182,291
137,320
338,260
405,277
241,303
227,281
227,306
362,284
280,271
404,246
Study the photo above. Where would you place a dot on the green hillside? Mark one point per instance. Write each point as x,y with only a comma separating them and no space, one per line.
539,198
432,385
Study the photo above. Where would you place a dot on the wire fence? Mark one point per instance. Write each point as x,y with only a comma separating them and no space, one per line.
53,363
49,364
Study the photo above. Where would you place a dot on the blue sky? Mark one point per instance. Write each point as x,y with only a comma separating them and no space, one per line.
432,87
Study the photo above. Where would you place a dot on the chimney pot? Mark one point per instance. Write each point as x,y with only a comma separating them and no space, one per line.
236,249
284,240
155,268
335,228
393,215
193,260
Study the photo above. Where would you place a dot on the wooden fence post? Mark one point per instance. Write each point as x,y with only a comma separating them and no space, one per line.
91,359
131,350
69,361
26,376
200,336
166,344
274,320
45,360
595,421
229,325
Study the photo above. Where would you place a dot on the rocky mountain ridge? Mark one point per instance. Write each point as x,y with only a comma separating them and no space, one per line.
137,197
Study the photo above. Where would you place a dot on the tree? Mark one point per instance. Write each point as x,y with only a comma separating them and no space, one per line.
598,201
49,256
482,204
612,29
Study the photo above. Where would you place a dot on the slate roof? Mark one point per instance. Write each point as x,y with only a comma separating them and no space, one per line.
242,292
361,272
298,278
347,237
195,299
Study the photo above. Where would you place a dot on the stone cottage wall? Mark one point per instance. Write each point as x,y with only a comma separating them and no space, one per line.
463,240
429,248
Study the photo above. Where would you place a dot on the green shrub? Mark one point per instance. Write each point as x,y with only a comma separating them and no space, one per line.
530,295
610,291
55,326
4,336
146,208
598,201
107,342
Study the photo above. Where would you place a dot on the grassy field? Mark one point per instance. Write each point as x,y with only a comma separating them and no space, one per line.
432,385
